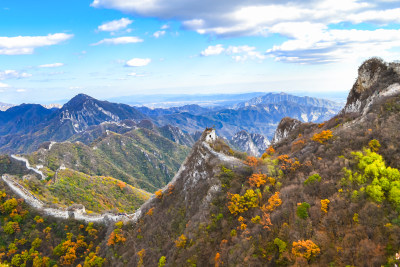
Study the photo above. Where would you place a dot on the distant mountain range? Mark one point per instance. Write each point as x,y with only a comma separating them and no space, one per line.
258,115
170,100
5,106
273,98
23,128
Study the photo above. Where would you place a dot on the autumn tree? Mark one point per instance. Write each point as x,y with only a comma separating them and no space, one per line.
181,241
257,179
268,152
217,259
117,235
162,261
324,205
306,249
159,194
239,204
252,161
374,145
141,255
322,137
313,179
273,202
92,260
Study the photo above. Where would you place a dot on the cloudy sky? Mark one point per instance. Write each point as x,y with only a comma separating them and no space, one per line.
52,50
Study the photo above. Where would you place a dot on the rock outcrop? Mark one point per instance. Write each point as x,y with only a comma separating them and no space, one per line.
285,127
251,143
376,79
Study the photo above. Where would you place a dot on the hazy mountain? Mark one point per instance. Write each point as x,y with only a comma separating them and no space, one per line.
25,127
5,106
252,144
262,118
192,109
23,118
171,100
273,98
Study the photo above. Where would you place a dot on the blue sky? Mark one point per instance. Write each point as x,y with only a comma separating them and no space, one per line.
52,50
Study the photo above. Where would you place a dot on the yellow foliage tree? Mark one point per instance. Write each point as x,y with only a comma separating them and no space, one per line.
306,249
181,241
141,256
239,204
324,205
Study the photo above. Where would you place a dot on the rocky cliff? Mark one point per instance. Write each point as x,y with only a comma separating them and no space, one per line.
376,79
251,143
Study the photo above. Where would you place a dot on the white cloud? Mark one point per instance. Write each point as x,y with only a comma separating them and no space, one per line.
307,24
326,46
3,85
20,90
164,27
158,34
138,62
13,74
238,53
134,74
115,25
52,65
245,17
22,45
378,16
120,40
213,50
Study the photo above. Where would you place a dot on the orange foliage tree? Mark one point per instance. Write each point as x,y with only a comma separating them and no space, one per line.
273,202
257,179
117,235
306,249
181,241
150,212
288,163
252,161
217,259
322,136
121,185
159,194
268,152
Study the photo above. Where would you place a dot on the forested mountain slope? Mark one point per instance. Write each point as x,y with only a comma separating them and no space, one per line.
324,195
139,157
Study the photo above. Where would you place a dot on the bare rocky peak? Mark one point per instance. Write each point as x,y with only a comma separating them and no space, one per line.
285,127
251,143
376,79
